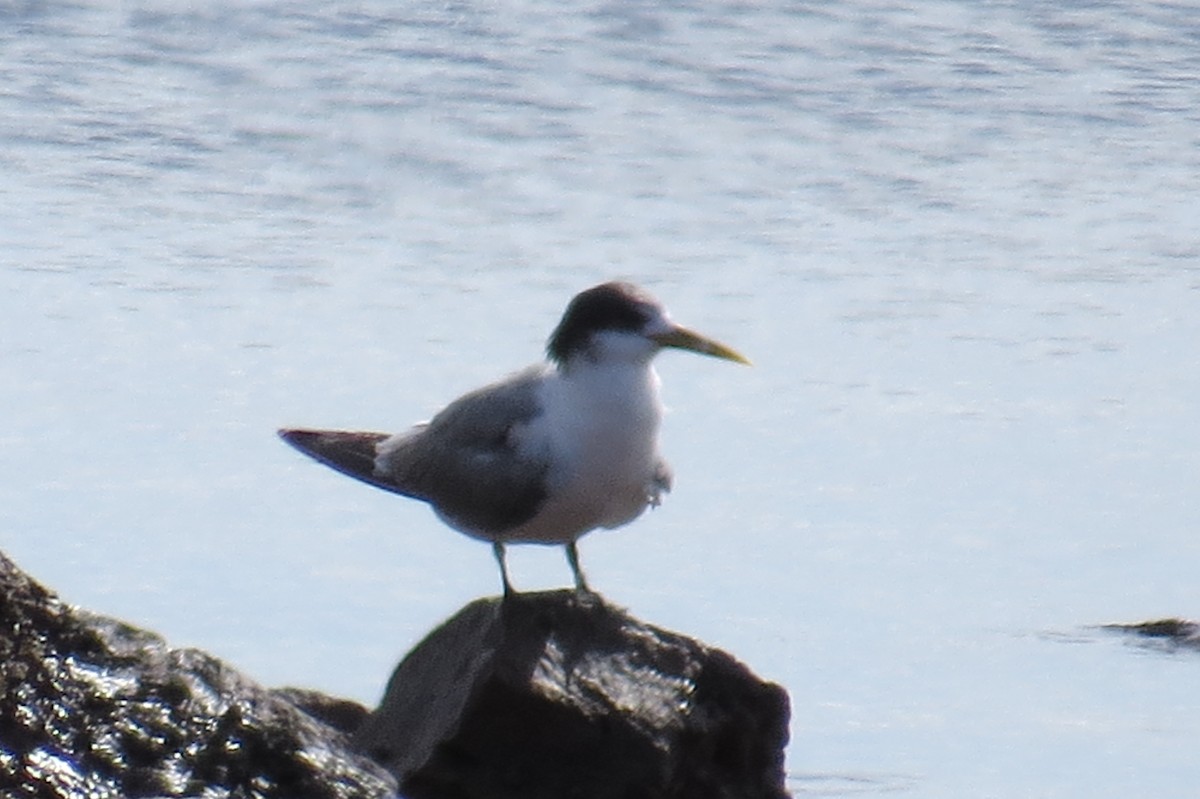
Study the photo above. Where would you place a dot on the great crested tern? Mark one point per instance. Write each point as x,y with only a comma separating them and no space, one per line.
549,453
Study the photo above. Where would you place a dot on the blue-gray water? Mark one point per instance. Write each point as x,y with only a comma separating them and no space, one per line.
958,239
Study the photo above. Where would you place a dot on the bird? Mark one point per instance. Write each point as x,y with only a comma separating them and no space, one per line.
548,453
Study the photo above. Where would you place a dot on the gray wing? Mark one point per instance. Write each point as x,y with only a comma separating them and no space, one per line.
465,461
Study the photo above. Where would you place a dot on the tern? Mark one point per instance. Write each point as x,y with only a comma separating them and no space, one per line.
549,453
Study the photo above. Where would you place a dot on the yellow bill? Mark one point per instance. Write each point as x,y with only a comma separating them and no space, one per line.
683,339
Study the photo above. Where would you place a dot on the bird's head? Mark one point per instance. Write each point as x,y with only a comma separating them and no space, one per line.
620,321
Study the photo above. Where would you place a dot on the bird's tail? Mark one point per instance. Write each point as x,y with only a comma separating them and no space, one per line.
350,452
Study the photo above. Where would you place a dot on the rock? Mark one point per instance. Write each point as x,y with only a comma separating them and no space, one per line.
544,695
1169,634
561,695
93,707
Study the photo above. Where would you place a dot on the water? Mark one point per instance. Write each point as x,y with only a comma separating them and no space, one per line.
959,240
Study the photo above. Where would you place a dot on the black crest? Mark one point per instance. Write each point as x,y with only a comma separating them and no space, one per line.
609,306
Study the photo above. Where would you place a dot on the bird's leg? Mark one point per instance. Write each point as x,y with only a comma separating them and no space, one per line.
498,551
573,559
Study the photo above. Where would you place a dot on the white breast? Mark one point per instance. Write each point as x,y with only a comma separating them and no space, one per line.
599,431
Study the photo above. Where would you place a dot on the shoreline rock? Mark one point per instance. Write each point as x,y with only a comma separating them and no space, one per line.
90,706
544,695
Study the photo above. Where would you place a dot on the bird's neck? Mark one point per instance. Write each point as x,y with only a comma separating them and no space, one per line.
618,385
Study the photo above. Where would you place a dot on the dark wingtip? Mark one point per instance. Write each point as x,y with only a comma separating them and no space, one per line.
307,441
350,452
295,435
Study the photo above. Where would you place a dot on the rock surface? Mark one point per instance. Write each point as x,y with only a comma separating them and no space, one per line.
91,707
560,695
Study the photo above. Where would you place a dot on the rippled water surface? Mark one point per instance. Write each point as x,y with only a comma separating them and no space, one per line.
959,241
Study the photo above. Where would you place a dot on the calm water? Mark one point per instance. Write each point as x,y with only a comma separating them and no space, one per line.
958,239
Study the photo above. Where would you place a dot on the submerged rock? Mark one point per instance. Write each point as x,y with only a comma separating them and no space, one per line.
1171,634
93,707
561,695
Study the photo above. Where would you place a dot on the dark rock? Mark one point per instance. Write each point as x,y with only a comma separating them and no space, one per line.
1170,634
560,695
93,707
545,695
343,715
